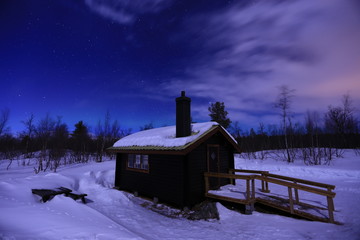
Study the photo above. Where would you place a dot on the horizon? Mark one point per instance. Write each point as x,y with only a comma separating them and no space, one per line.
81,59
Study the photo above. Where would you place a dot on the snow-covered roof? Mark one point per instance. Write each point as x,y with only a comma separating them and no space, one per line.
164,138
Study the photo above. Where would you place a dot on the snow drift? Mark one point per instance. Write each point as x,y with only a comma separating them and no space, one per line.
112,214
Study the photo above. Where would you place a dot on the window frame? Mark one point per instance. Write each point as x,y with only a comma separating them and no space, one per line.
137,162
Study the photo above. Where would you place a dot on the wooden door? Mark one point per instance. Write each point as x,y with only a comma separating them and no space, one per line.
213,165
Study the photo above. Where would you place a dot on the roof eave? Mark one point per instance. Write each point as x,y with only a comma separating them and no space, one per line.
231,140
145,151
180,151
214,130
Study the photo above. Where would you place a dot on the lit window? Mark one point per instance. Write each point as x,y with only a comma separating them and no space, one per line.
131,160
138,162
145,162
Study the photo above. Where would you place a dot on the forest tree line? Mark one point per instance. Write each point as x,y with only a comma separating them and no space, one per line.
50,141
316,140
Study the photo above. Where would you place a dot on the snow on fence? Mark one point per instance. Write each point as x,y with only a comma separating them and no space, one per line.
277,198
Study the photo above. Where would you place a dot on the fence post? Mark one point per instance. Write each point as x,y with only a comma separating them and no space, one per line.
330,203
253,189
329,190
249,207
247,189
232,180
296,194
264,183
331,207
291,200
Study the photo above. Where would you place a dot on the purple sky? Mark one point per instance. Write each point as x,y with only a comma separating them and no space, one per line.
79,59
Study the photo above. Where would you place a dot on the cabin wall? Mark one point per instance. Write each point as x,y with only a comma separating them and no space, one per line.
178,180
197,165
165,179
118,169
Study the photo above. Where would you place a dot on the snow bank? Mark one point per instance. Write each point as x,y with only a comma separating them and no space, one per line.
23,216
346,167
112,214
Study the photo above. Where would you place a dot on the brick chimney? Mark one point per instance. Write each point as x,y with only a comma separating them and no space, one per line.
183,119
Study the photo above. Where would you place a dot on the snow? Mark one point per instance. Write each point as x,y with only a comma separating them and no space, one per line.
113,214
164,136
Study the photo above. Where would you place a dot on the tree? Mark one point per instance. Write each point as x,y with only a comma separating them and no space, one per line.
59,140
6,139
283,103
102,132
43,132
81,139
341,121
4,118
44,129
218,114
262,140
8,148
81,131
235,130
147,126
125,132
106,134
312,127
28,134
350,119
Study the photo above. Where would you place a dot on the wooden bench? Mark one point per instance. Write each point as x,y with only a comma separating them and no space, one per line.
76,196
48,194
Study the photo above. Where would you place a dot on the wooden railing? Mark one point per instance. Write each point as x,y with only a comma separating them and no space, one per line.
265,177
250,185
264,184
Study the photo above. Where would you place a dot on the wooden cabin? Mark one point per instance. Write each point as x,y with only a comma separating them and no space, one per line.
168,163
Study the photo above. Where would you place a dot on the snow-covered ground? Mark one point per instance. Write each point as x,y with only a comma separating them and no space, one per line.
113,214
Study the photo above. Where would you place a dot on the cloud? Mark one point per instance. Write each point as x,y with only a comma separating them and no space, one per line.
246,52
126,11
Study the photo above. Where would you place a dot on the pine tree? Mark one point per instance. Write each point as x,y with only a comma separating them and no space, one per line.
218,114
81,131
81,139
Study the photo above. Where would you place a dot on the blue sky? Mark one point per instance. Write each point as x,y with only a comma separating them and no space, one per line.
78,59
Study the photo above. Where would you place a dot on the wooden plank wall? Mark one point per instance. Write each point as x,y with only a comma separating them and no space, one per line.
197,166
164,180
175,179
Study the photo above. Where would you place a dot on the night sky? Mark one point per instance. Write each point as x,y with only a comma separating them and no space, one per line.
79,59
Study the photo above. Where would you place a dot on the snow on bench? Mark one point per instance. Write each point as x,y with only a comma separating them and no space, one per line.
48,194
77,196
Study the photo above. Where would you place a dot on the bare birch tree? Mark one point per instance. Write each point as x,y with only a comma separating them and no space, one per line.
107,133
312,126
283,103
